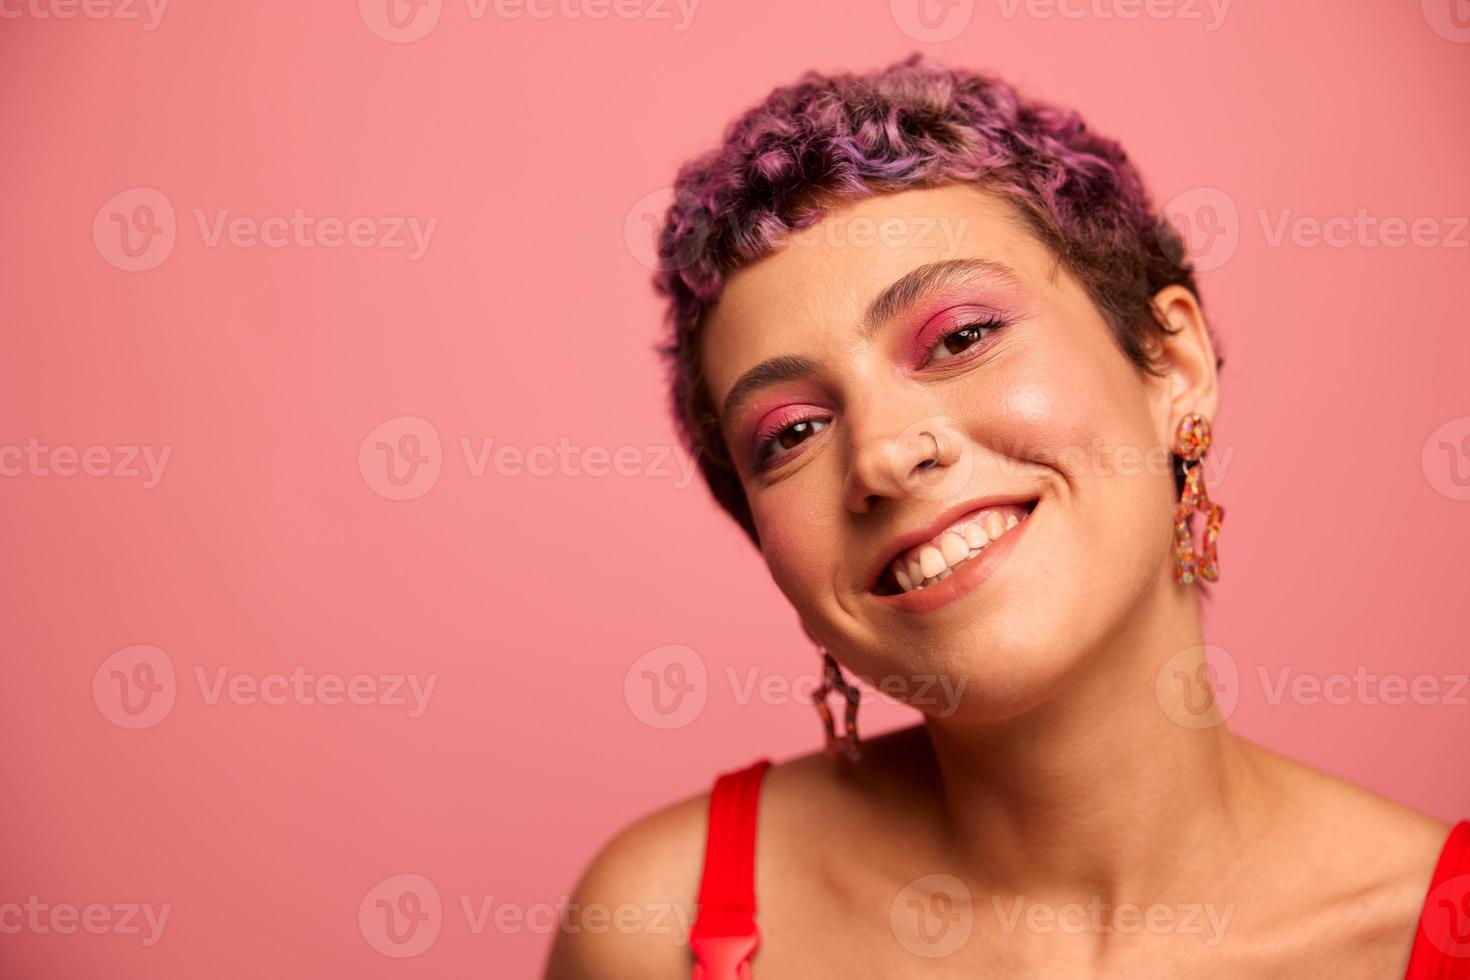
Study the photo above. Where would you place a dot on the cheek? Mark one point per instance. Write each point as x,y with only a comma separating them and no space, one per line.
1068,411
797,548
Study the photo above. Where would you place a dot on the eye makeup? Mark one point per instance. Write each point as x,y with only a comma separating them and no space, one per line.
946,320
766,450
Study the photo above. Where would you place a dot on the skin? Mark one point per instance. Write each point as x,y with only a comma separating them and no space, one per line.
1067,773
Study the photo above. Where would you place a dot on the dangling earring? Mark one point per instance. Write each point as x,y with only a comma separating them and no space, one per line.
1191,442
845,744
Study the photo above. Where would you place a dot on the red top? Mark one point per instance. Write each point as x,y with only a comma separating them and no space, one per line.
724,937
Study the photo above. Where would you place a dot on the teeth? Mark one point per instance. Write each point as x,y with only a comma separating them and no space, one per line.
933,562
953,548
975,536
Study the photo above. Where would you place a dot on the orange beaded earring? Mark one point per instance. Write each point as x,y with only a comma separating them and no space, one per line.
1191,442
845,744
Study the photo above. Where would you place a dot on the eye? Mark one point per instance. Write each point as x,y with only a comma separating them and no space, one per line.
788,438
962,338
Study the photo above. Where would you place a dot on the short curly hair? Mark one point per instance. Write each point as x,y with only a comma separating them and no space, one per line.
828,139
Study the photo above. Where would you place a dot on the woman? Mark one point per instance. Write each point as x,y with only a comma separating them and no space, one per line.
950,373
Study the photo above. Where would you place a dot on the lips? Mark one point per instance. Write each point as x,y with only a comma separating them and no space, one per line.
929,555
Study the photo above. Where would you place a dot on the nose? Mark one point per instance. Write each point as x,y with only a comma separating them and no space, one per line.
919,459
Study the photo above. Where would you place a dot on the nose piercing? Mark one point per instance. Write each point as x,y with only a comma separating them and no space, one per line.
932,458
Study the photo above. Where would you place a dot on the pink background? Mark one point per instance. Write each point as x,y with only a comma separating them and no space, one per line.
539,147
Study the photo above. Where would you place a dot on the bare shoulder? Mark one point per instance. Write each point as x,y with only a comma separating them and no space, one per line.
1361,864
631,911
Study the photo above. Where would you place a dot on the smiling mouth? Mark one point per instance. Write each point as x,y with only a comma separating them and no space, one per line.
935,560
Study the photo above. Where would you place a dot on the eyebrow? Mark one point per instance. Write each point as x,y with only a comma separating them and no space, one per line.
901,294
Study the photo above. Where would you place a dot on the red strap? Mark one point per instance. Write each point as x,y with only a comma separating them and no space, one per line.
724,935
1442,943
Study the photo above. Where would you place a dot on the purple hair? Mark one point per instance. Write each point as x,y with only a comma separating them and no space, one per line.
833,138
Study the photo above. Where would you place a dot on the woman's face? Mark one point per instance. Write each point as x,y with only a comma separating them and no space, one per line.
896,373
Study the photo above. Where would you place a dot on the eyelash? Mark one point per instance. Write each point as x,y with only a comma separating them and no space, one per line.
986,326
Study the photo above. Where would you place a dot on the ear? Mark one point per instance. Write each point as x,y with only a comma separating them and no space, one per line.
1186,356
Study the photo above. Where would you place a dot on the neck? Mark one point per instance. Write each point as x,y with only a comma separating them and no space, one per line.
1121,785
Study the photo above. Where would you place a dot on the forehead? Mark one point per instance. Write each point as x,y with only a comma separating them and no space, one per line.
809,295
